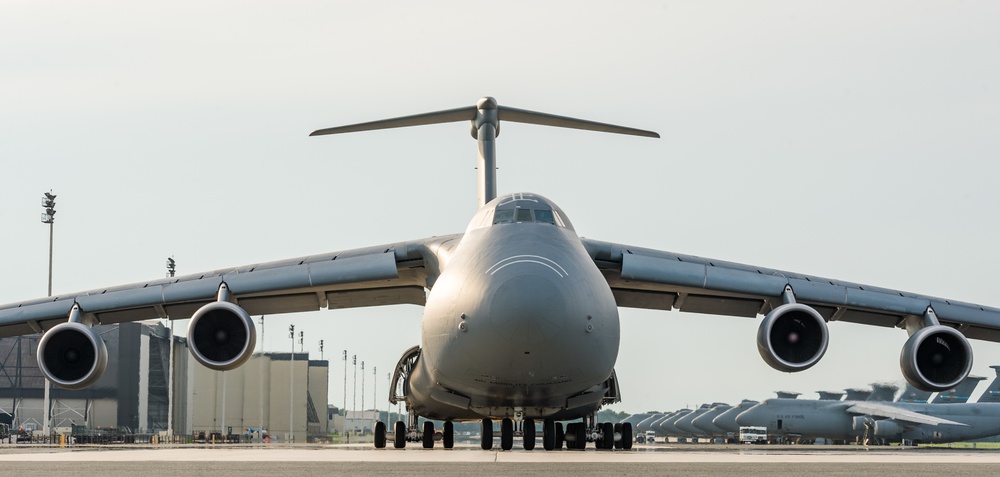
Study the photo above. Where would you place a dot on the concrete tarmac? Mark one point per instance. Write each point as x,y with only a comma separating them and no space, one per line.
470,460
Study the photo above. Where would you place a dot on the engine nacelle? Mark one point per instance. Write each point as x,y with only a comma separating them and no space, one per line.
72,355
936,358
888,429
859,423
793,337
221,336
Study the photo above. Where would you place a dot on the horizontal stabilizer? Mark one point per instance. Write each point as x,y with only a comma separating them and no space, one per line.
505,113
467,113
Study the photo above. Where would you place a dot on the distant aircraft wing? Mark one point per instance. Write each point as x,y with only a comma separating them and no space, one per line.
382,275
654,279
896,413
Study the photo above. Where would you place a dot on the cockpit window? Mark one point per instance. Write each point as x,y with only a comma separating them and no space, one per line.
503,216
519,208
543,215
509,216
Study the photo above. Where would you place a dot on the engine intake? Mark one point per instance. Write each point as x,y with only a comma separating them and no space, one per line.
221,336
936,358
72,355
793,337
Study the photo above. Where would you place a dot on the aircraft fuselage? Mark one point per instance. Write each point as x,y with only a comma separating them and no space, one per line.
519,319
829,419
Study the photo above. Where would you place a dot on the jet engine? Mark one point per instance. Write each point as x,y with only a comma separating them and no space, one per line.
792,337
936,358
221,336
72,355
860,423
888,429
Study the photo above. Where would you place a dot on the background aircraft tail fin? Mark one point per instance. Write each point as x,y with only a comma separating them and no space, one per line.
912,394
992,393
960,393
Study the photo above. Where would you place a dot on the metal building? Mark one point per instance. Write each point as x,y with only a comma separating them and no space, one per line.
131,393
287,397
273,391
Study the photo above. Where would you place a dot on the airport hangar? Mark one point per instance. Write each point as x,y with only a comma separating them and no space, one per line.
133,392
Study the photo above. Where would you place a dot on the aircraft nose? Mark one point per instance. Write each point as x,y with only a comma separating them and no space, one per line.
750,417
527,307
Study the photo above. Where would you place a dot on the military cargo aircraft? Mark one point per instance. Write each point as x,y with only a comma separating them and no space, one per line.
868,420
520,319
878,418
727,420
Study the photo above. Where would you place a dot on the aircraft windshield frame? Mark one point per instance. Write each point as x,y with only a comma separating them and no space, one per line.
541,215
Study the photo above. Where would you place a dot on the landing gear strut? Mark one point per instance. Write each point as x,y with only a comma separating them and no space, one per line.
604,435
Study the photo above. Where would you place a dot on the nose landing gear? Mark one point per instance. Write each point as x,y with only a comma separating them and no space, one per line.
411,432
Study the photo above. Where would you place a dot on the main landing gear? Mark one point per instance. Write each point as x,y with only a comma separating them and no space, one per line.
604,435
410,432
576,435
525,429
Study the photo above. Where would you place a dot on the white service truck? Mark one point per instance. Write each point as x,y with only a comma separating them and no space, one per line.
753,435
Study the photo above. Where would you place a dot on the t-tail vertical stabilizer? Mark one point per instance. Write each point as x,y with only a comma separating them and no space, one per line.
913,395
992,393
485,117
959,394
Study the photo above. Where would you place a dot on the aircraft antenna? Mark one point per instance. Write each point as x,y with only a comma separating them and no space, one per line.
485,117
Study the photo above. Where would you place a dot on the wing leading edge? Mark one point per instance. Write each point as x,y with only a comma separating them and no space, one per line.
654,279
382,275
889,411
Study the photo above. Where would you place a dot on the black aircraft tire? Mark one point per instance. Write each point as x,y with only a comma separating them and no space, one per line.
627,435
528,428
428,436
570,431
449,435
380,435
486,434
560,435
581,436
548,434
618,432
506,434
608,440
399,435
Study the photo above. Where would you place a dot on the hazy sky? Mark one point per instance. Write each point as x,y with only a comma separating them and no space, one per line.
851,140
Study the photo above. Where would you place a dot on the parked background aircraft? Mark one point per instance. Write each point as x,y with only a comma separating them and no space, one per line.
879,417
887,422
867,157
724,419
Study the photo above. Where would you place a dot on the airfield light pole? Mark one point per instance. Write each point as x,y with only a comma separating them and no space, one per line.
171,271
302,337
260,382
354,405
362,387
222,427
291,398
375,390
48,217
345,383
320,350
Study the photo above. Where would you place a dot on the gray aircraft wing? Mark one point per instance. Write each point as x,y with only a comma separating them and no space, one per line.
654,279
382,275
889,411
